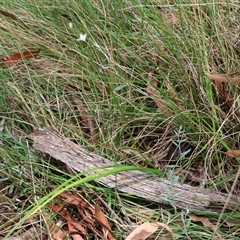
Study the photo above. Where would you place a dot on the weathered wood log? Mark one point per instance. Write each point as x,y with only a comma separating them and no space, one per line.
137,183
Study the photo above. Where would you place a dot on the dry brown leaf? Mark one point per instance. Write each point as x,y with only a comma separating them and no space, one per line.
77,225
171,18
233,153
227,96
223,78
222,87
73,225
84,208
75,200
219,86
145,230
173,93
154,94
86,116
31,233
20,56
56,232
206,223
101,219
154,82
60,210
77,237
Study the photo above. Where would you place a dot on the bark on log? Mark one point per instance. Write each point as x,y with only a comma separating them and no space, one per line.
137,183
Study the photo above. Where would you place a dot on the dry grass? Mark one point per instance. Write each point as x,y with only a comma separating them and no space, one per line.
134,92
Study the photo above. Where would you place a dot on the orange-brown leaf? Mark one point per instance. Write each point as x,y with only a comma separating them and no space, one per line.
155,96
74,199
19,56
233,153
223,78
171,18
145,230
101,219
206,222
60,210
73,231
75,225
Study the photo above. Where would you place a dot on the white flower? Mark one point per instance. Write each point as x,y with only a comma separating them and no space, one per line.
70,25
82,37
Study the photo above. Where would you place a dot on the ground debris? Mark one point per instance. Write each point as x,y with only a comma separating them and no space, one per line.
132,182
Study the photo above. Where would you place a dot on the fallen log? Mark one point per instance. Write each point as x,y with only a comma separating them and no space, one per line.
137,183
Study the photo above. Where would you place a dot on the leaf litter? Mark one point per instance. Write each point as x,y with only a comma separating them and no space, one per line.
146,229
206,223
152,93
20,56
82,219
226,78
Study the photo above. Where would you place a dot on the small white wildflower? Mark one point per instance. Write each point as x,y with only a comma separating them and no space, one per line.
70,25
82,37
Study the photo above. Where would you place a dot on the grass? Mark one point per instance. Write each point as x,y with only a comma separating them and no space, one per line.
130,47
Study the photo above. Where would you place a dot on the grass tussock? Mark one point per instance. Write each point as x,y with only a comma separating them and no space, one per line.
136,92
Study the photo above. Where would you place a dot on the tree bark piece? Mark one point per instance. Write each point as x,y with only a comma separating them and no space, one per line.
137,183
